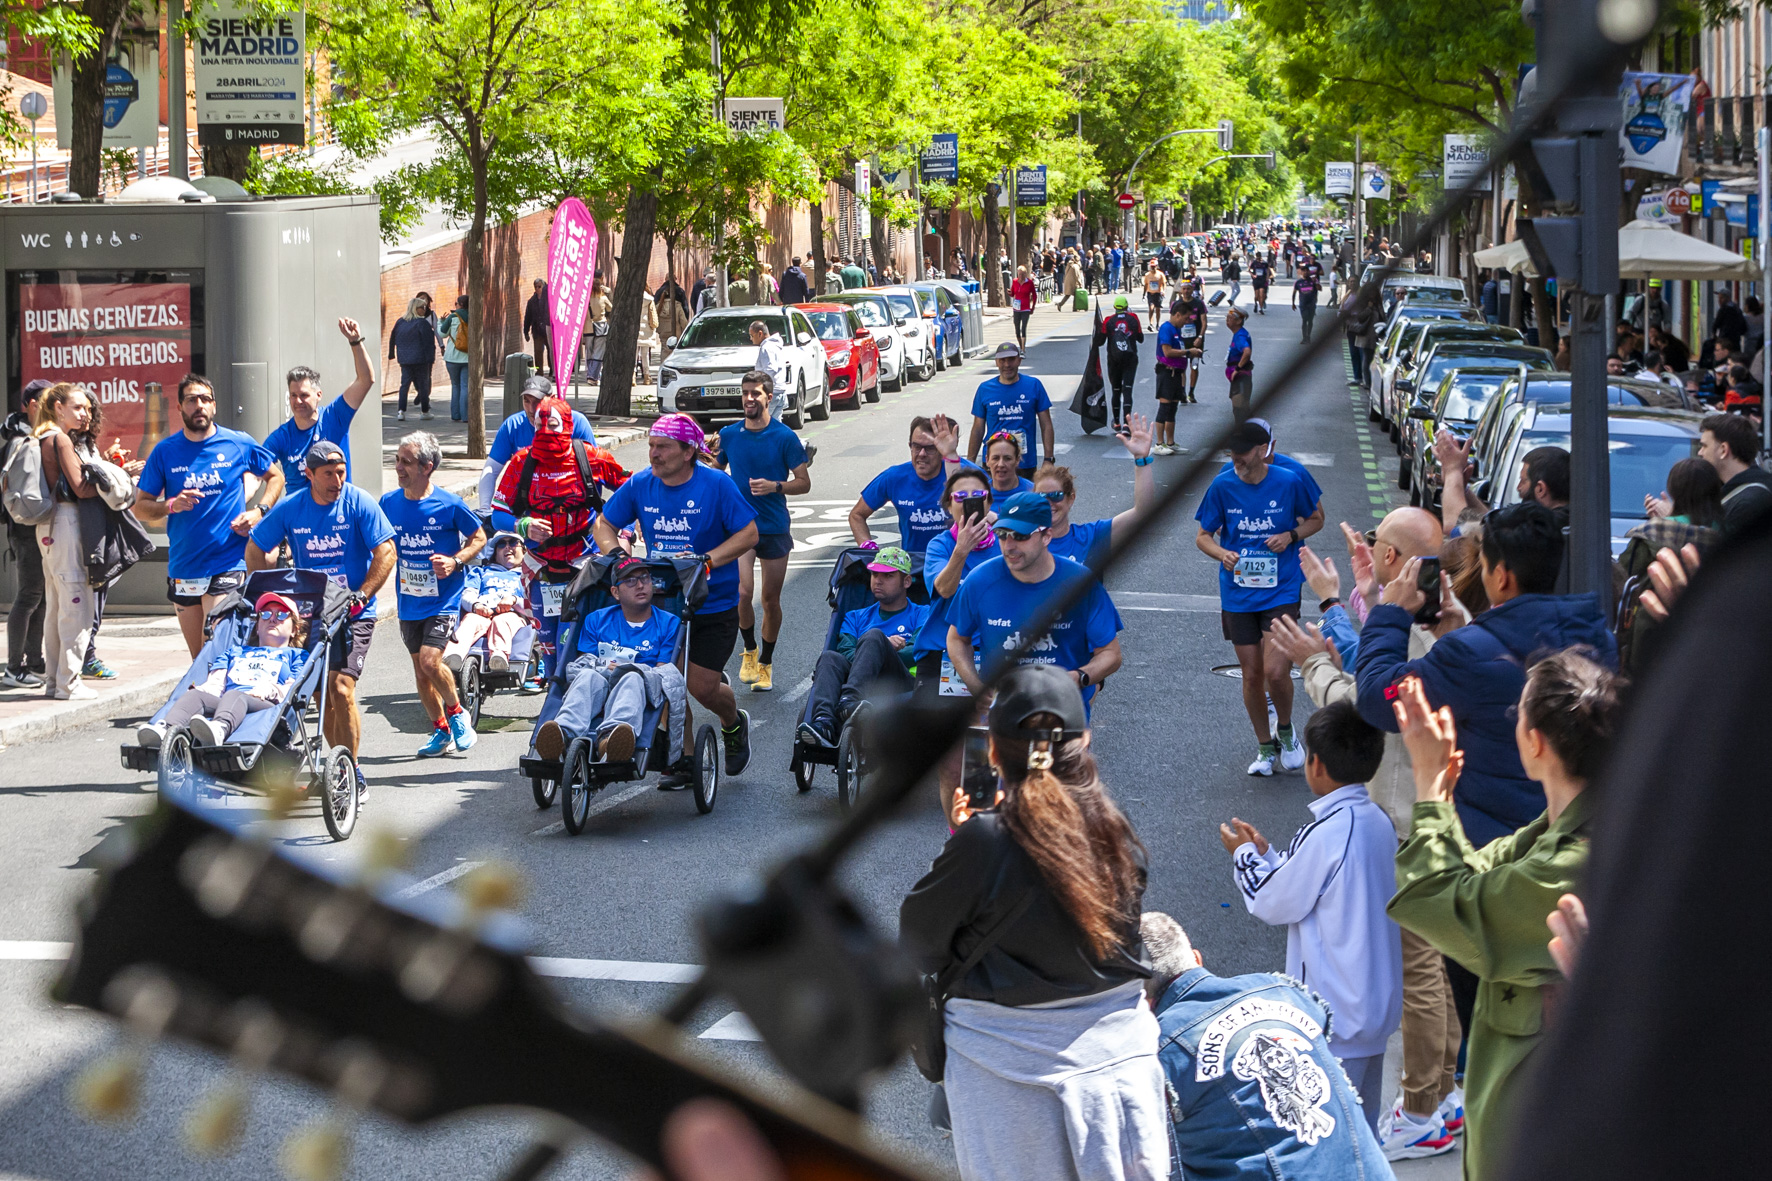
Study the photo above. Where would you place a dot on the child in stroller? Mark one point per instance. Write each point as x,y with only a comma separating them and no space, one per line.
494,605
242,680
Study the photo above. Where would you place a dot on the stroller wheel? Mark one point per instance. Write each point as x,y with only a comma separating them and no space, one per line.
543,790
575,785
177,772
848,768
468,689
338,798
709,758
803,773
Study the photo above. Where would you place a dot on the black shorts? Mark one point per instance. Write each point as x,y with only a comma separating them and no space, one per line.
431,632
1243,384
219,584
774,545
350,648
1244,628
1171,384
712,638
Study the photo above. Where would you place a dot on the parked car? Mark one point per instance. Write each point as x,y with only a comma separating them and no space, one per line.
852,356
939,304
702,376
1642,443
1422,382
1455,406
876,316
1416,342
900,324
919,334
1390,341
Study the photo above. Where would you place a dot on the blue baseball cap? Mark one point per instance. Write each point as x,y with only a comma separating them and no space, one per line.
1025,512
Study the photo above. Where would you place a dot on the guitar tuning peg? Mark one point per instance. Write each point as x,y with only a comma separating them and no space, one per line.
216,1124
109,1090
495,885
318,1152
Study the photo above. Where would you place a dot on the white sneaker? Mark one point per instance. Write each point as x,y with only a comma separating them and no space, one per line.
1264,761
452,661
208,731
1411,1136
1291,752
400,415
77,693
150,735
425,414
1451,1111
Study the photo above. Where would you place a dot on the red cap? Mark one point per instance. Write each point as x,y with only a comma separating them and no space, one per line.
274,597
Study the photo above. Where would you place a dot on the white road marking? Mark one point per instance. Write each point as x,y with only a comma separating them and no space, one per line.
801,688
438,879
620,797
1152,601
734,1027
34,949
632,971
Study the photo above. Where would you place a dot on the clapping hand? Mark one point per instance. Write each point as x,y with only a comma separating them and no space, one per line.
1299,644
1359,560
1431,739
1568,924
1668,577
1452,452
1238,833
1657,506
1320,573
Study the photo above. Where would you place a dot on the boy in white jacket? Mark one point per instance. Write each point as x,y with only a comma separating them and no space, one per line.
1330,888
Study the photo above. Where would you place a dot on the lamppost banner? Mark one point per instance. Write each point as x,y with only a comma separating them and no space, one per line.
250,74
1030,186
572,265
941,159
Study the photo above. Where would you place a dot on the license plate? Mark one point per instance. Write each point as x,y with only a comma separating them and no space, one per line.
722,391
553,594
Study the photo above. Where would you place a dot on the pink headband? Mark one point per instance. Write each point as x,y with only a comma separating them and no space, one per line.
680,427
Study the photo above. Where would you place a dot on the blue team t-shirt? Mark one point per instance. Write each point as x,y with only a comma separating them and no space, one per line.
335,538
1014,407
1239,341
693,518
202,542
517,432
493,581
1022,484
251,668
907,621
769,454
1282,460
289,443
1085,543
651,642
439,523
934,635
993,606
1169,333
1242,517
918,501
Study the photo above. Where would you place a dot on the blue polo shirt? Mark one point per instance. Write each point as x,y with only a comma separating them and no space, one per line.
695,517
517,432
769,454
289,443
1015,407
335,538
439,523
203,543
993,607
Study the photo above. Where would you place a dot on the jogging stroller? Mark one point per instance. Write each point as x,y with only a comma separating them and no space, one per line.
849,591
273,747
679,586
476,679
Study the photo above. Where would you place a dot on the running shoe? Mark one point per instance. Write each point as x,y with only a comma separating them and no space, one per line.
208,731
400,415
535,684
1291,750
461,730
1451,1111
452,661
765,679
680,775
98,670
438,743
1411,1136
498,664
737,738
77,693
19,678
617,744
150,735
747,668
811,735
550,741
1266,755
362,787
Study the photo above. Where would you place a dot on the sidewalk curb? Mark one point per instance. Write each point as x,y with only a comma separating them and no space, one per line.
59,717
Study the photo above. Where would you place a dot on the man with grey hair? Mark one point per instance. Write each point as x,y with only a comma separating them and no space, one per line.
772,359
436,535
309,421
1253,1089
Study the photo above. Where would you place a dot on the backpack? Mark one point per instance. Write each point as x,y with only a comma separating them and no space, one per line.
458,336
24,492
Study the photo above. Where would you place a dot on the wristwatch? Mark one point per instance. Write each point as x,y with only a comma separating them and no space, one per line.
354,343
1082,678
779,487
1294,533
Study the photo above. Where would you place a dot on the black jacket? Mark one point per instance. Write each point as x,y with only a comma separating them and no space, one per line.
794,287
980,874
1746,495
535,314
1122,333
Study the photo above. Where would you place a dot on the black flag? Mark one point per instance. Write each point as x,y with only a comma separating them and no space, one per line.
1090,402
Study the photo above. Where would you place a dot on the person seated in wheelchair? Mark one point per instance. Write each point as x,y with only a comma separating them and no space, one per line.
626,662
494,604
874,648
243,680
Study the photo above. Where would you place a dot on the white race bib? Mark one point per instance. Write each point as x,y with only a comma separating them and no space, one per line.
553,594
1257,570
1189,331
190,587
613,654
951,684
418,581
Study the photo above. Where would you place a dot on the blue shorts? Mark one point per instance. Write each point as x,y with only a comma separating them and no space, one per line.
774,545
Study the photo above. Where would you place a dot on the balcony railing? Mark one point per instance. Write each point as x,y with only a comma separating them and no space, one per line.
1727,130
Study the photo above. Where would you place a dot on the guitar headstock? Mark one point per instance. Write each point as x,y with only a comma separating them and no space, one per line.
205,934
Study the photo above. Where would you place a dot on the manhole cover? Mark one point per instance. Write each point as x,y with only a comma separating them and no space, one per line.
1235,672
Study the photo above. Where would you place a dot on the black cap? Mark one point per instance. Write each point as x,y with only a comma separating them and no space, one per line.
323,452
32,389
1038,689
1248,435
625,567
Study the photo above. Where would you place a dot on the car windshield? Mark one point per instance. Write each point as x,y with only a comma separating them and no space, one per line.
719,332
830,325
1616,395
1441,365
1468,395
1639,463
902,306
870,311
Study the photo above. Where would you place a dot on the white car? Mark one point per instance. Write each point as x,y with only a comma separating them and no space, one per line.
923,355
876,316
703,373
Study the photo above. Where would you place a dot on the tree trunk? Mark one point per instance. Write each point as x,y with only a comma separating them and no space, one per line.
816,223
638,220
993,274
228,160
877,242
476,251
87,117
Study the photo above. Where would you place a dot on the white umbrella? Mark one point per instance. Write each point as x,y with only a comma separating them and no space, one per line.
1650,250
1509,256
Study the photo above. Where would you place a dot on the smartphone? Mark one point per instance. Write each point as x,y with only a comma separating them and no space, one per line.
976,774
973,507
1427,580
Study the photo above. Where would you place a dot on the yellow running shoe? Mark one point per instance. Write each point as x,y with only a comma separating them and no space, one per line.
747,672
763,682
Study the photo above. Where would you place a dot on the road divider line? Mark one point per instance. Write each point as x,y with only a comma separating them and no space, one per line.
34,949
801,688
438,879
734,1027
620,797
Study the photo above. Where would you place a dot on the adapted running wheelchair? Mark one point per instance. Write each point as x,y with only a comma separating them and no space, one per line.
679,585
849,591
272,747
477,679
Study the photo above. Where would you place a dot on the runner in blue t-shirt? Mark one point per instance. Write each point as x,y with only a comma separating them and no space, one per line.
195,481
436,536
914,488
1249,523
1012,402
518,432
1239,362
1000,600
684,507
768,463
1086,542
1276,458
335,527
309,422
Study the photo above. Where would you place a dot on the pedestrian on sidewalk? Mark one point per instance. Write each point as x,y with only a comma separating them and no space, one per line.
648,336
673,312
64,410
413,343
597,329
537,324
24,623
795,287
453,332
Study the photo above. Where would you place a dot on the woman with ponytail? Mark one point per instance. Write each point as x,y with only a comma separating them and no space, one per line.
1029,922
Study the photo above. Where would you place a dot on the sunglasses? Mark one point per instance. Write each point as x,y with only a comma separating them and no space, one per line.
274,614
969,493
1053,497
1012,535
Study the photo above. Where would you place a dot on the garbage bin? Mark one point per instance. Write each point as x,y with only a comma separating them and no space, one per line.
519,368
971,303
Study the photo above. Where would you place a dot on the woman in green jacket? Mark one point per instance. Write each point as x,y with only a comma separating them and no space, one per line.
1486,908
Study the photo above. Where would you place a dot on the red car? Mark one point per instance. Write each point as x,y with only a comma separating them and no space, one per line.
851,355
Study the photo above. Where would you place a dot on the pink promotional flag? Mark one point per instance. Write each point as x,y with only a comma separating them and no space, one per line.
572,264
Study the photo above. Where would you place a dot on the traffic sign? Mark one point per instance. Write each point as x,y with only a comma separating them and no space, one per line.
1127,200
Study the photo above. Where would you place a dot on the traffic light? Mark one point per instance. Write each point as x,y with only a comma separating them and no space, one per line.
1226,134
